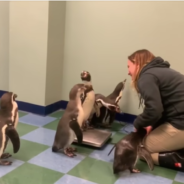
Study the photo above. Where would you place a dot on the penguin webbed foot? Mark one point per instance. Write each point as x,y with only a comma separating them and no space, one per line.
5,163
105,125
5,156
133,170
90,127
70,151
86,127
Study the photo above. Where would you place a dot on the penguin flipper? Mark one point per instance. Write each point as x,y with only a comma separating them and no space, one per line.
111,107
106,104
114,108
12,133
143,152
76,128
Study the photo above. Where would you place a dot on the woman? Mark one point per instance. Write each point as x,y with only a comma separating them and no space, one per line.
162,90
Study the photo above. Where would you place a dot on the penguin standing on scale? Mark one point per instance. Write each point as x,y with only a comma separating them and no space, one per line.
88,102
70,123
8,123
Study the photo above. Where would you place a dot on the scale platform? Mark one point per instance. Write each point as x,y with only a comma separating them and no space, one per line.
95,137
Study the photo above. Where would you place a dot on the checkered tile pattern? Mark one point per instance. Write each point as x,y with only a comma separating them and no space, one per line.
35,163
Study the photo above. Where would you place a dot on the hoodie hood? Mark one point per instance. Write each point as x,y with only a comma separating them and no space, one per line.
157,62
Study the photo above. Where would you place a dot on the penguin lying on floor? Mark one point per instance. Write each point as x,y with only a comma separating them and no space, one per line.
8,123
116,96
102,101
71,122
104,113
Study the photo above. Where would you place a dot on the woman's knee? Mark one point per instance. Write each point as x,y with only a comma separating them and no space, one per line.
150,144
164,138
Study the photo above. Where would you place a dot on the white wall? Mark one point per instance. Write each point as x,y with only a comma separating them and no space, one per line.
28,50
55,48
100,35
4,45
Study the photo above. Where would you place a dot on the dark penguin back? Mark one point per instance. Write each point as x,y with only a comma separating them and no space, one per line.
128,149
116,91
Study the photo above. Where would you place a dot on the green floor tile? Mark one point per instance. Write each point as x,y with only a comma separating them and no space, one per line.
21,113
120,122
176,182
89,168
57,114
31,174
158,171
23,128
117,137
52,125
27,150
116,126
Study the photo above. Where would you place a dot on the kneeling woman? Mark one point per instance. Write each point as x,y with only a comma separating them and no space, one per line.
162,90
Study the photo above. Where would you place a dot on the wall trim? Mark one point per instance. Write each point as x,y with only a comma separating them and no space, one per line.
46,110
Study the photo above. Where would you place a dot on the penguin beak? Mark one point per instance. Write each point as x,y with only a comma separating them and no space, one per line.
124,81
84,74
14,96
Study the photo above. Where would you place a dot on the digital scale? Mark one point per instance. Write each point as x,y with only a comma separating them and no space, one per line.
95,137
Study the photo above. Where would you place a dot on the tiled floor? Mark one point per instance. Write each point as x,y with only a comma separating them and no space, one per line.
35,163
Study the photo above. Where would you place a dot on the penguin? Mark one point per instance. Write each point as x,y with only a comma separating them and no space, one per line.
117,93
116,96
71,122
128,150
104,113
102,101
106,102
88,102
8,123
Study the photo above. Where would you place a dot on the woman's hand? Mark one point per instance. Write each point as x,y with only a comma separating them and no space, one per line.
148,129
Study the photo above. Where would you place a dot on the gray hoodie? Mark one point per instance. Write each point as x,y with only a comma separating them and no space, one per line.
162,90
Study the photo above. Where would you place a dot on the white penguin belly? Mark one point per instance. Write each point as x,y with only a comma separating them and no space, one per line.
3,140
16,120
105,119
80,118
88,104
71,138
14,113
118,98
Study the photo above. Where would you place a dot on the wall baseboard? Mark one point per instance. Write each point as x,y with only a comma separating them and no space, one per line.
46,110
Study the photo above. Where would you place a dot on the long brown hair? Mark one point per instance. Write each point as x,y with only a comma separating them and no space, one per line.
140,58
